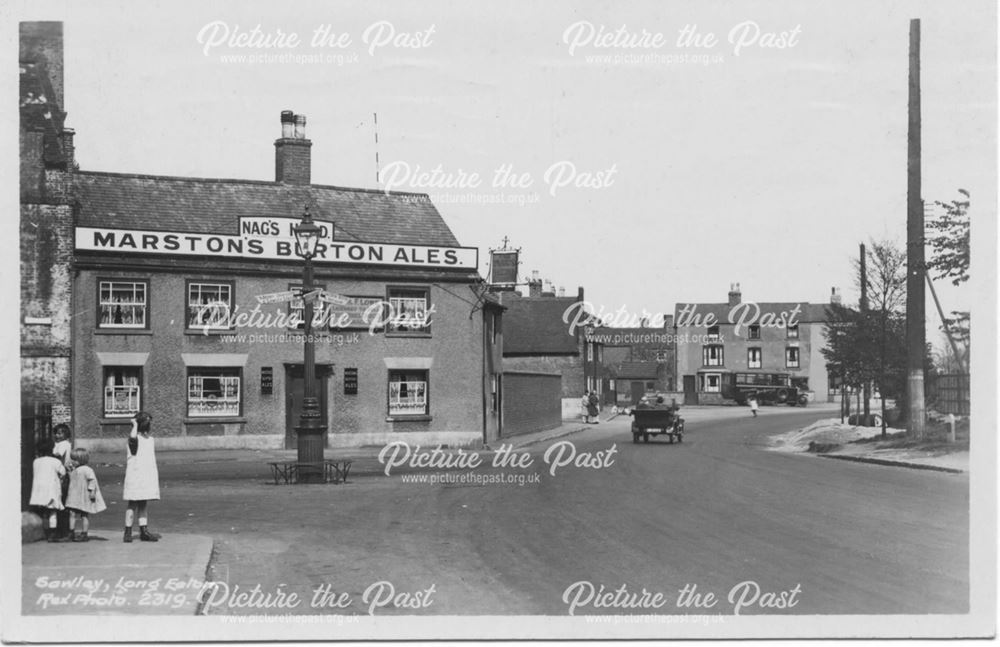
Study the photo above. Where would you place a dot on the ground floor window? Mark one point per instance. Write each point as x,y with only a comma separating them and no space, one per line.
754,358
122,390
213,392
408,393
711,382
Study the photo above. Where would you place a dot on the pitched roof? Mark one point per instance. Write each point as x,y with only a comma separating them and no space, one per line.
535,326
200,205
808,312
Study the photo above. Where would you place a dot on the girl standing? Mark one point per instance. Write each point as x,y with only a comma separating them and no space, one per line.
63,446
46,485
84,497
142,480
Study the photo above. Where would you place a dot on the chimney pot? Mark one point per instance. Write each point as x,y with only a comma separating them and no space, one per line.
300,126
287,124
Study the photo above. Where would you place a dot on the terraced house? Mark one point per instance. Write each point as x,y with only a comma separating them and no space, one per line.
722,344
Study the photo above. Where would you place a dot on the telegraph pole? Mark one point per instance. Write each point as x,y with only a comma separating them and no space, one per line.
915,333
863,306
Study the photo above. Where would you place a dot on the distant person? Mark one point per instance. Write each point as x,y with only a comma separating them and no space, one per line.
142,479
752,401
585,406
592,407
46,486
84,498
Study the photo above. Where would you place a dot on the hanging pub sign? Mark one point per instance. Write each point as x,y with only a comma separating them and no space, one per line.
271,240
266,380
503,267
350,381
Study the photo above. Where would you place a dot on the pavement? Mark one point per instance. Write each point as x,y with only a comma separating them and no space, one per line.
732,511
105,576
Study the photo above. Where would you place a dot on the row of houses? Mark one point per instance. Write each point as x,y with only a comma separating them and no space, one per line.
183,297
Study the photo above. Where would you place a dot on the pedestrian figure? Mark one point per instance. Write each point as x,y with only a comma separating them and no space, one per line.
84,498
142,479
46,486
585,407
61,450
63,446
592,410
753,404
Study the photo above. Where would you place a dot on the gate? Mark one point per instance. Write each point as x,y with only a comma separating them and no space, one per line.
36,424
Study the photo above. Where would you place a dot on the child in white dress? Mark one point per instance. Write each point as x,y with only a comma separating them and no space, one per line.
142,480
84,497
46,486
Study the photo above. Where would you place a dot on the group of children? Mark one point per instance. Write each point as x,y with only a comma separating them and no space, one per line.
63,479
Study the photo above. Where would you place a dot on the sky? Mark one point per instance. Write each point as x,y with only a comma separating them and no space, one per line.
660,171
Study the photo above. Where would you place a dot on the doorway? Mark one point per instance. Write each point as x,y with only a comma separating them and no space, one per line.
295,391
690,394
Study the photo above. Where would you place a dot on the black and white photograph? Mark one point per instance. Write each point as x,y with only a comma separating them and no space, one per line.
443,320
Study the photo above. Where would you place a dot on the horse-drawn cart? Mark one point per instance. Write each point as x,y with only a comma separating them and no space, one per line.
657,422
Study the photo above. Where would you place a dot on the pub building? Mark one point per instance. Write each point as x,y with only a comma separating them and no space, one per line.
187,304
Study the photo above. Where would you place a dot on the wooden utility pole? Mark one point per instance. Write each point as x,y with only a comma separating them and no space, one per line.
915,332
863,306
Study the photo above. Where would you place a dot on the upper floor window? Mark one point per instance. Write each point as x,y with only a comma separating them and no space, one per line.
297,308
754,358
793,332
792,357
712,355
122,304
409,310
209,305
712,332
753,331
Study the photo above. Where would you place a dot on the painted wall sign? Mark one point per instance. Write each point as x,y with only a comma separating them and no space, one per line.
138,241
266,380
350,381
61,413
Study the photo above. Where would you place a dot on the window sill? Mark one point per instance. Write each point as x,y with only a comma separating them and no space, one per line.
208,333
410,418
123,331
214,420
419,335
110,422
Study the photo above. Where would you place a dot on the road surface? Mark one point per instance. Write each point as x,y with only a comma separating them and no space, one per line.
762,532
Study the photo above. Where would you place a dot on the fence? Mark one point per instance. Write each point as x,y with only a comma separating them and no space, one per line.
949,393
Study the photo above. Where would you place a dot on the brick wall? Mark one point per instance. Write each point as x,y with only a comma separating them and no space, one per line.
531,402
46,240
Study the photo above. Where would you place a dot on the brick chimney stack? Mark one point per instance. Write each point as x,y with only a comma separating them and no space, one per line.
734,294
835,298
292,157
534,285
